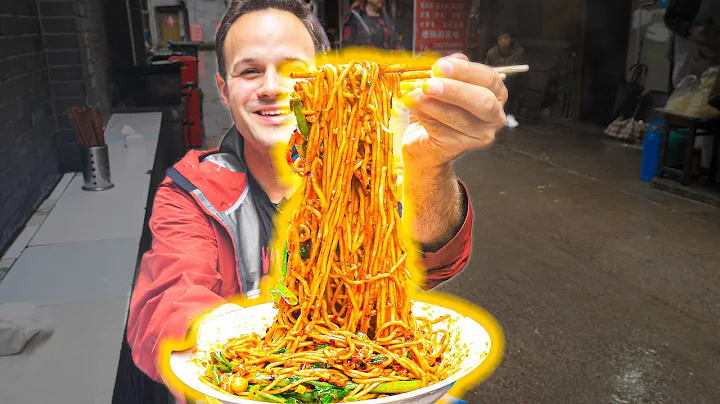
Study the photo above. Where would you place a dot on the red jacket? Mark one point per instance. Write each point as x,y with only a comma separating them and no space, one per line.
194,263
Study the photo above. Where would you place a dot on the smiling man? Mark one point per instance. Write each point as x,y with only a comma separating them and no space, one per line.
212,215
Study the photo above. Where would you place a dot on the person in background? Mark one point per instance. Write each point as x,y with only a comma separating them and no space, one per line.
369,25
696,28
507,53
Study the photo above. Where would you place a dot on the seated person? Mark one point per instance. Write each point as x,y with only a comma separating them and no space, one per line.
507,53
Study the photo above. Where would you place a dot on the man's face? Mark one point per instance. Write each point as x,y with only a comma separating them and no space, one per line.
258,45
375,3
504,41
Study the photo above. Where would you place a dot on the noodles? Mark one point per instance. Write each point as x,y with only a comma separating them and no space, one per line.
344,329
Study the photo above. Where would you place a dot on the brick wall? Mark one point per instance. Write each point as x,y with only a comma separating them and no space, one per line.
29,160
53,55
77,58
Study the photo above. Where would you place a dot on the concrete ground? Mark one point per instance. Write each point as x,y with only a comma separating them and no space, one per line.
607,289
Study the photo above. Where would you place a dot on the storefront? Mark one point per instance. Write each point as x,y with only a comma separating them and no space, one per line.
409,17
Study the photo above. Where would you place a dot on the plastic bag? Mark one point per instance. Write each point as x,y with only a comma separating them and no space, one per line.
683,95
707,80
698,106
627,129
19,322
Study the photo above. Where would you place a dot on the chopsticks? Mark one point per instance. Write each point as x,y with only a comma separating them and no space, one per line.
408,73
426,74
412,78
87,122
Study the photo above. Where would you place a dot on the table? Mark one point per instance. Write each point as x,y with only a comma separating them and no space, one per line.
697,127
78,267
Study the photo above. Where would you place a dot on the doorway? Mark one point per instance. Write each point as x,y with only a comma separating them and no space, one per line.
170,23
604,57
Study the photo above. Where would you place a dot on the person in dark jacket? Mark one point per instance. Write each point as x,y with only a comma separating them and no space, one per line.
368,25
696,28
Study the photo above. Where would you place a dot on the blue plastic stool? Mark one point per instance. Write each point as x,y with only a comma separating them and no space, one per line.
651,151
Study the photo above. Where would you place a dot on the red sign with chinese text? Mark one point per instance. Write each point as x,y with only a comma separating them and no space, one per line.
196,33
441,26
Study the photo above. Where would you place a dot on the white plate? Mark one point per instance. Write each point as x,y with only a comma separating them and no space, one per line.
470,336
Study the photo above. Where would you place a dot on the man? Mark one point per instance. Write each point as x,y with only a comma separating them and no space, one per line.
696,25
369,25
212,215
507,53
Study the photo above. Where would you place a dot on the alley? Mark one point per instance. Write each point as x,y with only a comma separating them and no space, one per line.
607,289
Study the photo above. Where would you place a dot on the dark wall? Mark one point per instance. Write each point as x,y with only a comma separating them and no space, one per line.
29,160
77,58
53,56
128,45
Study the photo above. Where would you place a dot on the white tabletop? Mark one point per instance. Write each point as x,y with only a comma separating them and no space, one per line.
114,213
79,269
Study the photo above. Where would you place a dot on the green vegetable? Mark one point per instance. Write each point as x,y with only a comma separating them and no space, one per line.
285,261
321,346
320,366
304,252
391,387
261,378
281,351
265,379
280,293
296,106
257,395
398,387
327,393
218,358
215,375
377,359
322,385
301,398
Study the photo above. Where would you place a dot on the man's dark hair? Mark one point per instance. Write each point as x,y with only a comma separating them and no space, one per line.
238,8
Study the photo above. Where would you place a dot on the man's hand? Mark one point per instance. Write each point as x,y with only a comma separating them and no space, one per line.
459,109
699,34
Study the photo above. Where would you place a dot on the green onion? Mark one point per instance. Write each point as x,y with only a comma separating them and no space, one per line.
377,359
216,376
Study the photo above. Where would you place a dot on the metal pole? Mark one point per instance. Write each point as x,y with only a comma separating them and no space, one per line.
130,25
414,30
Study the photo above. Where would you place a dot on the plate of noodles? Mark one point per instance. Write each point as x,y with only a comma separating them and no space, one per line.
342,327
465,352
